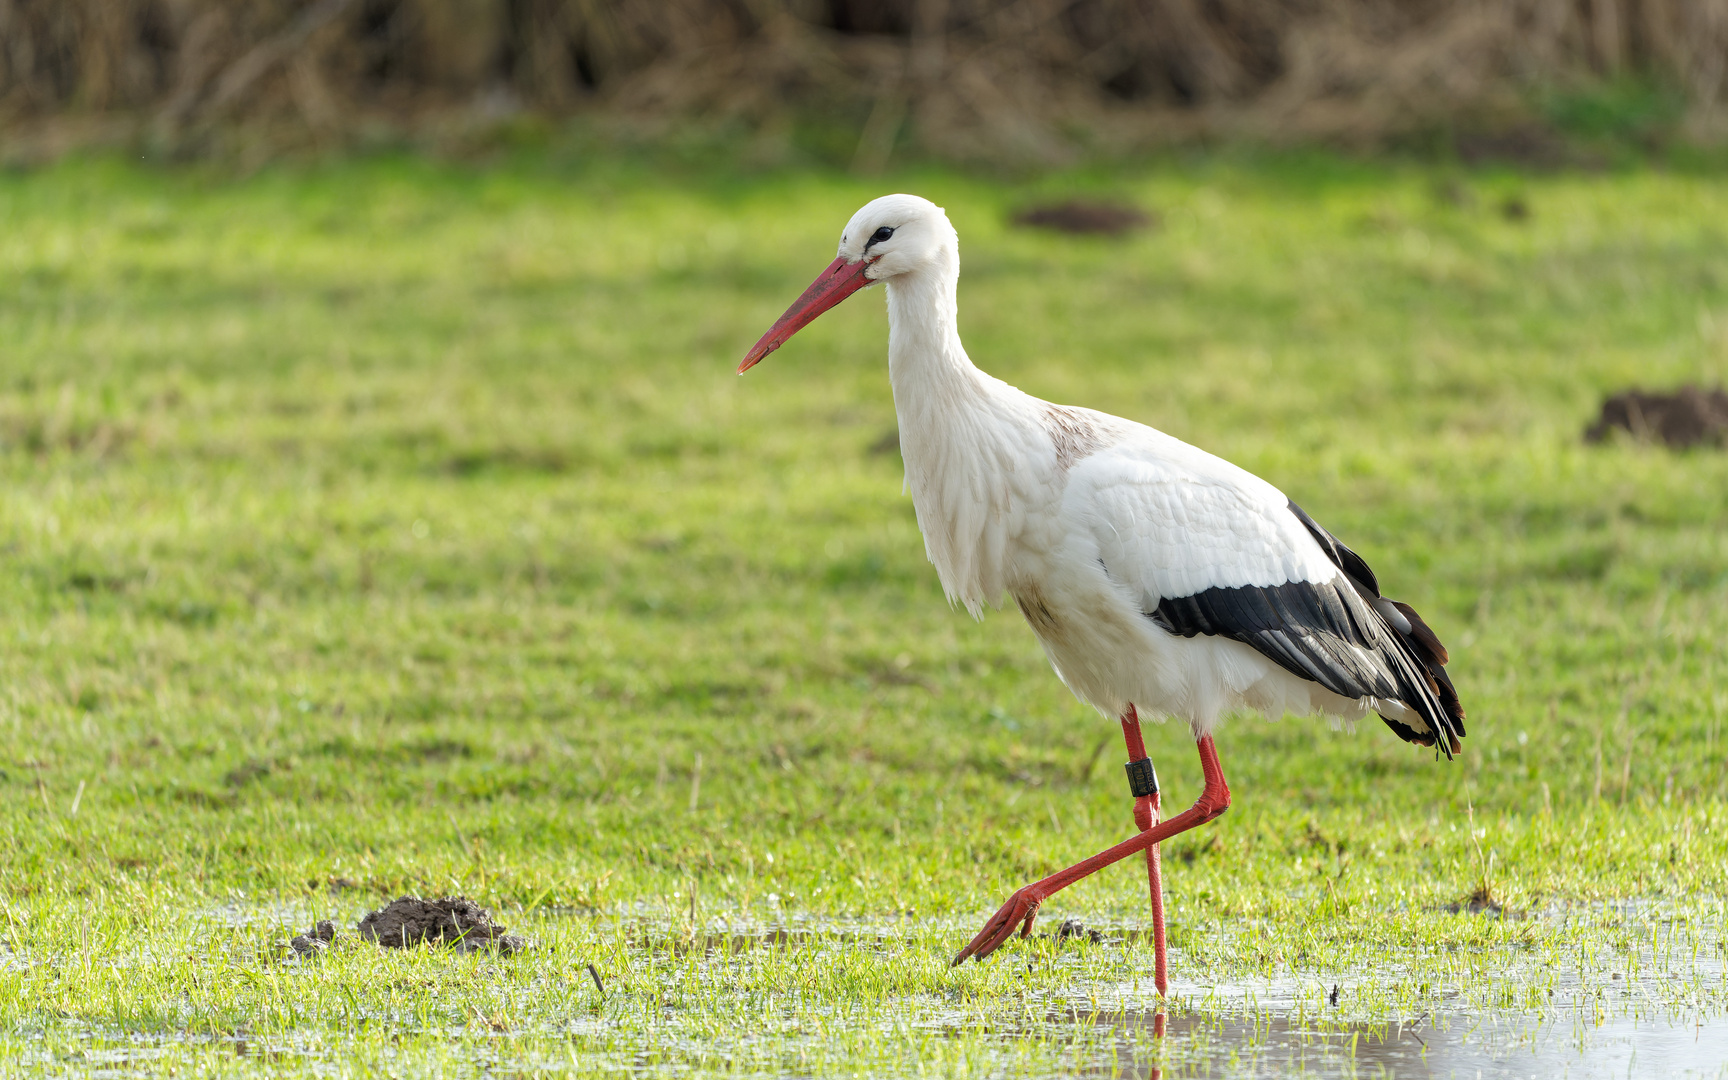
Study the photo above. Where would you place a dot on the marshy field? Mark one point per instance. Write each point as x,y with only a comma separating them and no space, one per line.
390,527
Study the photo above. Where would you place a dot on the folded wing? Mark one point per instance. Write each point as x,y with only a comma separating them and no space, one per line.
1211,549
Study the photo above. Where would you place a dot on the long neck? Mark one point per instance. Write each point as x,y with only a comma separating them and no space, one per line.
961,433
927,366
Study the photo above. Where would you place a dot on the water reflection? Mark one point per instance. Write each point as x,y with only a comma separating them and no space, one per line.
1268,1046
1597,1021
1631,992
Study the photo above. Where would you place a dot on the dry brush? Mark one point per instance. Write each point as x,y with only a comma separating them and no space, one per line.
1035,79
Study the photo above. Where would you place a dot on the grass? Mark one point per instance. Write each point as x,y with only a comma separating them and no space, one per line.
388,527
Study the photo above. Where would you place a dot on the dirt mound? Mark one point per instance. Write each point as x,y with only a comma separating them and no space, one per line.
1690,416
315,940
451,920
1078,216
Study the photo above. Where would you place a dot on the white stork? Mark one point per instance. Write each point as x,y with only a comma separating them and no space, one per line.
1159,579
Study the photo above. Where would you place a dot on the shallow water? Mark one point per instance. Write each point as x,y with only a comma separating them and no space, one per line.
1192,1046
1481,1047
1651,1001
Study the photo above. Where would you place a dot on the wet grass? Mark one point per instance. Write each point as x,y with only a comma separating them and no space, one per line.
1585,988
401,527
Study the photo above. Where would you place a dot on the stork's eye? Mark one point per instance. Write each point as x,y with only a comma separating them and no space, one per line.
881,234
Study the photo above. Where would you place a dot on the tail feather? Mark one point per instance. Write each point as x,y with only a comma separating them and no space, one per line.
1425,647
1439,708
1423,633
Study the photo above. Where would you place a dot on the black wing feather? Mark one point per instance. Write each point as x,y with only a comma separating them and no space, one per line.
1342,557
1331,633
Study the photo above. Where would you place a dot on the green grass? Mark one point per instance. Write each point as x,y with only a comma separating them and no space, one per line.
404,525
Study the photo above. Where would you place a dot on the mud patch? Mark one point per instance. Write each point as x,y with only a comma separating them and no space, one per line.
1085,218
1690,416
1075,930
455,921
315,940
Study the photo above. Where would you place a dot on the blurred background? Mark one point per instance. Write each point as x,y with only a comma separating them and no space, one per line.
1024,81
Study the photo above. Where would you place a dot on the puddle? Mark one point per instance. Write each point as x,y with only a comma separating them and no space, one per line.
1571,1047
1659,1008
1576,991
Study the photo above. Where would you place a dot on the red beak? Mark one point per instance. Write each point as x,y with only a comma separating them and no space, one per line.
831,286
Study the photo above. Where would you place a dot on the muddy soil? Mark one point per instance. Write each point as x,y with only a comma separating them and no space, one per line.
451,920
315,940
1690,416
1077,216
1074,929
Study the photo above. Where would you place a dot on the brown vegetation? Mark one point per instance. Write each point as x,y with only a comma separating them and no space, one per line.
1036,79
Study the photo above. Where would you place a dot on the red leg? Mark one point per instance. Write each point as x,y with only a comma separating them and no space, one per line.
1155,879
1146,815
1023,905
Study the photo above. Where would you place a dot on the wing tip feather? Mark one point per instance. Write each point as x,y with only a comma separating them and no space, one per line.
1433,693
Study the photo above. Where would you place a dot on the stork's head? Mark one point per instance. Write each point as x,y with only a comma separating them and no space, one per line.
889,237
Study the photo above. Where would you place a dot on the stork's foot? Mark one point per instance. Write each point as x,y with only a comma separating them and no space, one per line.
1023,905
1020,910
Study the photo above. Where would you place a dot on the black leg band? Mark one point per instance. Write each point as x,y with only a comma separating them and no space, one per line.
1142,778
